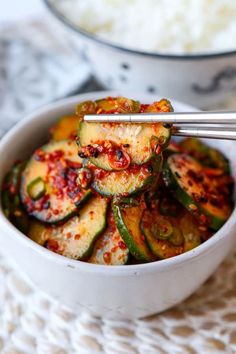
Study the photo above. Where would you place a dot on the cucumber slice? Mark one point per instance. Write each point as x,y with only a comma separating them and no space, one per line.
50,189
66,128
195,190
128,182
110,248
128,224
193,233
11,203
205,154
76,237
38,232
98,141
170,236
135,140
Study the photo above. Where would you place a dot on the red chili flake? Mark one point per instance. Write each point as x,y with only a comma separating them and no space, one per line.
39,205
100,173
122,245
73,164
91,213
213,172
158,150
197,177
77,237
142,237
39,155
143,108
13,189
56,155
203,219
52,245
107,257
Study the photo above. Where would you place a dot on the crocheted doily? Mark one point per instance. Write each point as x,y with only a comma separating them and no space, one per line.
32,323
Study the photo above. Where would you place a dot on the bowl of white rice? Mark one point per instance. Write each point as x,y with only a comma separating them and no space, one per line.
185,49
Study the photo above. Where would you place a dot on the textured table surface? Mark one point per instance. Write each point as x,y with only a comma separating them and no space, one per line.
30,322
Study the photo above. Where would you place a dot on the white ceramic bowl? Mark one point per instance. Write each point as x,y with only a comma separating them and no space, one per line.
120,291
201,80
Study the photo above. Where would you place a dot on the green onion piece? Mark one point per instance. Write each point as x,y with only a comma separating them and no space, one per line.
36,189
161,228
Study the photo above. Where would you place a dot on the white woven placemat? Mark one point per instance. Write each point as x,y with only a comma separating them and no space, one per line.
32,323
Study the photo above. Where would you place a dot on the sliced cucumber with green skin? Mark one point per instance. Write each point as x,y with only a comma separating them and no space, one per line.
128,224
38,232
110,248
126,201
195,190
75,238
11,203
205,154
127,182
192,232
18,216
136,140
50,189
133,139
181,234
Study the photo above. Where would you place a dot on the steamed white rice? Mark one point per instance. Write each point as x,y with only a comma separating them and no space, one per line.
167,26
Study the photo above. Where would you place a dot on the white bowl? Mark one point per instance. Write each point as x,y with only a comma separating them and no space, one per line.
201,80
121,291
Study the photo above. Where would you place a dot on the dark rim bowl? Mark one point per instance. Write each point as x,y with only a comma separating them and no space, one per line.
65,20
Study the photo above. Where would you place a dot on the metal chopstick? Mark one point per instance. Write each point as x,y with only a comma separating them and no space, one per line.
226,134
213,125
227,117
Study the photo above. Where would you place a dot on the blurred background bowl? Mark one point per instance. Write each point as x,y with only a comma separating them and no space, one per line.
202,80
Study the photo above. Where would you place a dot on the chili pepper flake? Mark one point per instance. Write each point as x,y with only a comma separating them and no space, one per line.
107,257
158,150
